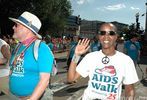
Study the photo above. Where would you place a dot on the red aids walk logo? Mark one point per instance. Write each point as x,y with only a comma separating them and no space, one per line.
107,70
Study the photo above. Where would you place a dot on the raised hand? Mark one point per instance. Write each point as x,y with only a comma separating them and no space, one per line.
82,47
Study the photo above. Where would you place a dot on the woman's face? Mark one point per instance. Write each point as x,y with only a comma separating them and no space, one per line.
107,36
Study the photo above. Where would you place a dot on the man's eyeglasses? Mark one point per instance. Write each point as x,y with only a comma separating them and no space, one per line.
107,32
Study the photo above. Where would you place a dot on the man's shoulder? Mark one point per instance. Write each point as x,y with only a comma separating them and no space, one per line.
43,46
42,43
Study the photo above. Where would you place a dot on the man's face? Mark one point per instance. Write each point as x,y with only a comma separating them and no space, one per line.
20,31
107,36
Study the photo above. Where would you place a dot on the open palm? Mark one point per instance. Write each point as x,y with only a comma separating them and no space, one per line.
82,47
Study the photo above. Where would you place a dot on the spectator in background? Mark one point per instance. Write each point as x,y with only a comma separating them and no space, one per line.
4,68
6,38
49,42
12,43
64,42
95,45
120,44
72,50
132,48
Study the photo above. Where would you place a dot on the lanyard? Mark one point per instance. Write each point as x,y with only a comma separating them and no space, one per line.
21,55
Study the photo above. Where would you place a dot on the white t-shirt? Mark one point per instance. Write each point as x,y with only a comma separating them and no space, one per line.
105,80
4,69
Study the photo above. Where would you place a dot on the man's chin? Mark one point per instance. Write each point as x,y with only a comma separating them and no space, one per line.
14,36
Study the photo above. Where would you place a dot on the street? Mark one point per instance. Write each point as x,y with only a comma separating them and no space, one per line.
64,91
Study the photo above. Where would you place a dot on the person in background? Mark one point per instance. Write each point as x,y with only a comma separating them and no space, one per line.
49,42
72,50
12,43
64,43
120,44
95,46
29,77
132,48
6,38
106,73
4,66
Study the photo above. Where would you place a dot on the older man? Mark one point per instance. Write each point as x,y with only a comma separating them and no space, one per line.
106,71
29,77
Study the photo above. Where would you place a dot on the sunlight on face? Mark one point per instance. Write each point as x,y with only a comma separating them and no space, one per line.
107,36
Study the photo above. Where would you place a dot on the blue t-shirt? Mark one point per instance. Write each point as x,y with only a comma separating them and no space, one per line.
132,49
26,74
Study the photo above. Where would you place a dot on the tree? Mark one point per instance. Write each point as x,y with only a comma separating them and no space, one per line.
129,31
53,13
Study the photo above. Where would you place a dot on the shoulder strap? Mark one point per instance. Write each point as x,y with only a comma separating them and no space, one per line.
36,48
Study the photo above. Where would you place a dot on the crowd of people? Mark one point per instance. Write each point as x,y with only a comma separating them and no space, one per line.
29,70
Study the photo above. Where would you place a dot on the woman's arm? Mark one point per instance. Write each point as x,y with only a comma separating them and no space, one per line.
81,48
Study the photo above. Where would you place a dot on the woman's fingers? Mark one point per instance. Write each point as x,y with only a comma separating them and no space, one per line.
84,42
79,42
87,41
87,48
83,46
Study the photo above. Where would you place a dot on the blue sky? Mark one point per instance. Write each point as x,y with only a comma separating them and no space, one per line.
110,10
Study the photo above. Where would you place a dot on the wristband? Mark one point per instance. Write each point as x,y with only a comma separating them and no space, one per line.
75,58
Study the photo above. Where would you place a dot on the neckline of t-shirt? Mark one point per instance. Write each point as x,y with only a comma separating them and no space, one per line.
116,52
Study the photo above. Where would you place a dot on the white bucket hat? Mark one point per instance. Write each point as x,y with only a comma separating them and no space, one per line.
29,20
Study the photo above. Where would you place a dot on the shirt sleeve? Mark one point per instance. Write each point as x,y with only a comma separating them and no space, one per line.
83,67
130,74
45,58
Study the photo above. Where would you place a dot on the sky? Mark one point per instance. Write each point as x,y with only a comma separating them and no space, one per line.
123,11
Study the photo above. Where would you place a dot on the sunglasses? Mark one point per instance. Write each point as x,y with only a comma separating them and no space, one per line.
107,32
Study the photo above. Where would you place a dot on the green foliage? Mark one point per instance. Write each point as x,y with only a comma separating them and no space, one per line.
53,13
129,31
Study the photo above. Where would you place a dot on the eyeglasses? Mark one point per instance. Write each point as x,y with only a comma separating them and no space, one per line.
112,33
